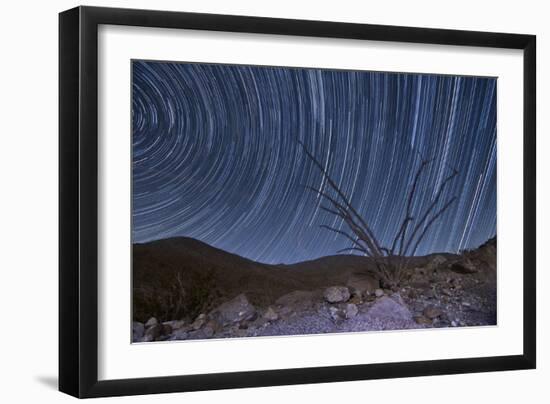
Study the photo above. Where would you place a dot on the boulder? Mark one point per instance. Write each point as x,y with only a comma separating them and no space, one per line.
270,314
379,293
234,310
151,322
138,330
208,331
199,321
388,308
214,325
175,324
154,332
337,294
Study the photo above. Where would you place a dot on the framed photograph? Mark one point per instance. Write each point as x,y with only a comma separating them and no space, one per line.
251,201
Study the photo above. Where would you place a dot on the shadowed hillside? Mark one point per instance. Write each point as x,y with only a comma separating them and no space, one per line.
179,278
203,276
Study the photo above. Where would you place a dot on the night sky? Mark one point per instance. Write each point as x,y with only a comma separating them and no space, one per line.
217,155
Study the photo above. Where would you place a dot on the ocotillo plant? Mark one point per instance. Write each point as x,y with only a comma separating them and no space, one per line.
391,261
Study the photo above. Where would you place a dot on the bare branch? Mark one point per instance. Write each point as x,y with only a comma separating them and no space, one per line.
401,229
385,250
429,210
344,214
334,186
423,165
343,233
431,221
334,212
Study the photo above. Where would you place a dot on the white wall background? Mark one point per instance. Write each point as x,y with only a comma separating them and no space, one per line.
28,202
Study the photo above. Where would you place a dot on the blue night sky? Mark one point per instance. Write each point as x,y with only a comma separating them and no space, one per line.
216,155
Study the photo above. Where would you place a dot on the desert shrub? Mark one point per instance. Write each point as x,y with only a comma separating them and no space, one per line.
391,260
178,296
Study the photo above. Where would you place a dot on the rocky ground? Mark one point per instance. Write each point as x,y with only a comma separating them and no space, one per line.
441,291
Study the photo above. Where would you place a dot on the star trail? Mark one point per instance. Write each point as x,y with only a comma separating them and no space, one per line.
216,155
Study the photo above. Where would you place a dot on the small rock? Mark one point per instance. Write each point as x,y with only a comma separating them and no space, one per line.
370,298
388,308
151,322
334,313
147,338
138,330
379,293
397,297
419,271
422,320
270,314
260,322
208,331
153,332
337,294
175,324
356,299
179,335
420,284
351,310
464,267
432,312
453,323
234,310
466,304
429,293
199,321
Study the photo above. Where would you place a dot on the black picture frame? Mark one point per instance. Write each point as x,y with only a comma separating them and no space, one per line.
78,201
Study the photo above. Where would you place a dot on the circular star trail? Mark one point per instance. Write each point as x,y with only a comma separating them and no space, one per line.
217,155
